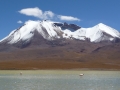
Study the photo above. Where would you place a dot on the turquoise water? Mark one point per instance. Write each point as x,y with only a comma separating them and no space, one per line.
59,80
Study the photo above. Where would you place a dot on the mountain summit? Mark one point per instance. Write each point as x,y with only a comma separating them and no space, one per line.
50,30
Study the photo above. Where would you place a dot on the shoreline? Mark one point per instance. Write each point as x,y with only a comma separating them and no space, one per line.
81,69
56,72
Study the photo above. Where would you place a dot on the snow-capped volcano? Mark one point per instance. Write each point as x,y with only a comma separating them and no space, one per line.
50,30
45,28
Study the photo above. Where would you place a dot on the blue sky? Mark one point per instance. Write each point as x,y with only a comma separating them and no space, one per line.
85,13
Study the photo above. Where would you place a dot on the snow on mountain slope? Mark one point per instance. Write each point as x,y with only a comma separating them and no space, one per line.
50,30
101,32
97,33
108,30
26,32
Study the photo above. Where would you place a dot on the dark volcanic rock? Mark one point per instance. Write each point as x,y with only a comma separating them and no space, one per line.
116,40
72,27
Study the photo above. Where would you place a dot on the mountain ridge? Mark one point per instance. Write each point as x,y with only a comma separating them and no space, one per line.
54,45
54,30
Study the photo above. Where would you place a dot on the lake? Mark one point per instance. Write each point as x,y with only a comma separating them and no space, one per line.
59,80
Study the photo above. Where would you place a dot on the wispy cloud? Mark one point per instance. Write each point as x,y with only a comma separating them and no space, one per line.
68,18
19,22
38,13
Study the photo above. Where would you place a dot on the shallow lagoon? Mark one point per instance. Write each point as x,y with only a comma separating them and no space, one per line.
59,80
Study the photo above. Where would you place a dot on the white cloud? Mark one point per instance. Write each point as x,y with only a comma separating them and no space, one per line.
36,12
48,14
19,22
68,18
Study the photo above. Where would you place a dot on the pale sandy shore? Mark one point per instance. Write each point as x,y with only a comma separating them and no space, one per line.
59,72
